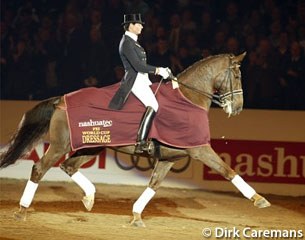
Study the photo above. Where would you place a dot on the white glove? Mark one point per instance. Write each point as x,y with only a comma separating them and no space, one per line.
164,72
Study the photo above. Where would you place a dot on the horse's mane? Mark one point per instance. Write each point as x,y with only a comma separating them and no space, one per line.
202,66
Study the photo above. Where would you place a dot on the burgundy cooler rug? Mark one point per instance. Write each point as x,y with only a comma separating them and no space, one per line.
178,123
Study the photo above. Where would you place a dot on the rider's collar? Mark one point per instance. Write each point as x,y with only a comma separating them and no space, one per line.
132,35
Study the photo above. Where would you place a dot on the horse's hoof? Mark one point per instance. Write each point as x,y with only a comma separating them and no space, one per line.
260,201
88,202
137,221
20,215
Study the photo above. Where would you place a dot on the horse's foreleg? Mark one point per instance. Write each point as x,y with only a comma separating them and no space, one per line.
208,156
71,166
160,171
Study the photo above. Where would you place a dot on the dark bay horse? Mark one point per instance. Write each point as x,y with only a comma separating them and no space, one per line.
216,74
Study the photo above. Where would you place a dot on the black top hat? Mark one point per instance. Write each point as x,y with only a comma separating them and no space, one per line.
132,18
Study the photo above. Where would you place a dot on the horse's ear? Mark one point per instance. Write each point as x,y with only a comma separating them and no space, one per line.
240,57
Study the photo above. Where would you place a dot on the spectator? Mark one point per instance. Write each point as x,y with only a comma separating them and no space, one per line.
176,65
40,60
291,28
275,32
185,59
175,34
72,41
188,24
255,23
301,37
97,62
205,53
119,73
294,78
268,85
282,54
161,55
19,73
233,46
205,31
51,50
232,18
137,6
250,42
112,17
251,82
194,50
95,22
219,45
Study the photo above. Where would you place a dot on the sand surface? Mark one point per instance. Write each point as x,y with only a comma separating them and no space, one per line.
57,213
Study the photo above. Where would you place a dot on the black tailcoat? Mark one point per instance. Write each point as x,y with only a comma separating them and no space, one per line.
133,57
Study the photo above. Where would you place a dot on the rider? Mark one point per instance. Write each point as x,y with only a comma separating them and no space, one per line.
136,78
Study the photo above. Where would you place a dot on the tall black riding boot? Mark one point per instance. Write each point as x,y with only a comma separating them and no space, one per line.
144,129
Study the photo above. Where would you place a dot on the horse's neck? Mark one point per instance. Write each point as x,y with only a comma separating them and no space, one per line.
196,90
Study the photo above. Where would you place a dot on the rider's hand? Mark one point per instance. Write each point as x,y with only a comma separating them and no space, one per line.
164,72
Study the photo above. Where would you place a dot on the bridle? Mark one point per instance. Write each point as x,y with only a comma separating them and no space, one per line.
223,100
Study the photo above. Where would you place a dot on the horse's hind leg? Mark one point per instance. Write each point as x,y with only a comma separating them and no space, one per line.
71,166
59,146
160,171
38,171
207,155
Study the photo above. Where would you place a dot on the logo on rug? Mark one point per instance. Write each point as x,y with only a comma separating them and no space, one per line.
94,131
91,123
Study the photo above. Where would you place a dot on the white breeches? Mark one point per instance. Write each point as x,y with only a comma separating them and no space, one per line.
141,89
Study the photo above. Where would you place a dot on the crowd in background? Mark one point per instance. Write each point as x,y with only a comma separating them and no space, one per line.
52,47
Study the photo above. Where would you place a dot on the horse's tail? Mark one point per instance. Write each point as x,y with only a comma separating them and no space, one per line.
33,126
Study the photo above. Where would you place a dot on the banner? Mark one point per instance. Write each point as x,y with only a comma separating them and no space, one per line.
261,161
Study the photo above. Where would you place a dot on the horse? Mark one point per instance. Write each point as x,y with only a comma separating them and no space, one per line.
215,79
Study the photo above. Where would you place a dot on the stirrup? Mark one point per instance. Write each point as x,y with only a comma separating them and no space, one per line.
148,147
140,147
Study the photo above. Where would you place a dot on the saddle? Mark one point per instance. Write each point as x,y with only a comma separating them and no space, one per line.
178,122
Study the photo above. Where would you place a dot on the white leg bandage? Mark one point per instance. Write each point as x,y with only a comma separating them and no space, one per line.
142,201
84,183
28,194
243,187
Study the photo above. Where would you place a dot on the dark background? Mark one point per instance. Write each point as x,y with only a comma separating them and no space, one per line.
51,47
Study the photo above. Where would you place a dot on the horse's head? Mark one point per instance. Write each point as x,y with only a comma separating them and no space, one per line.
228,85
214,79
